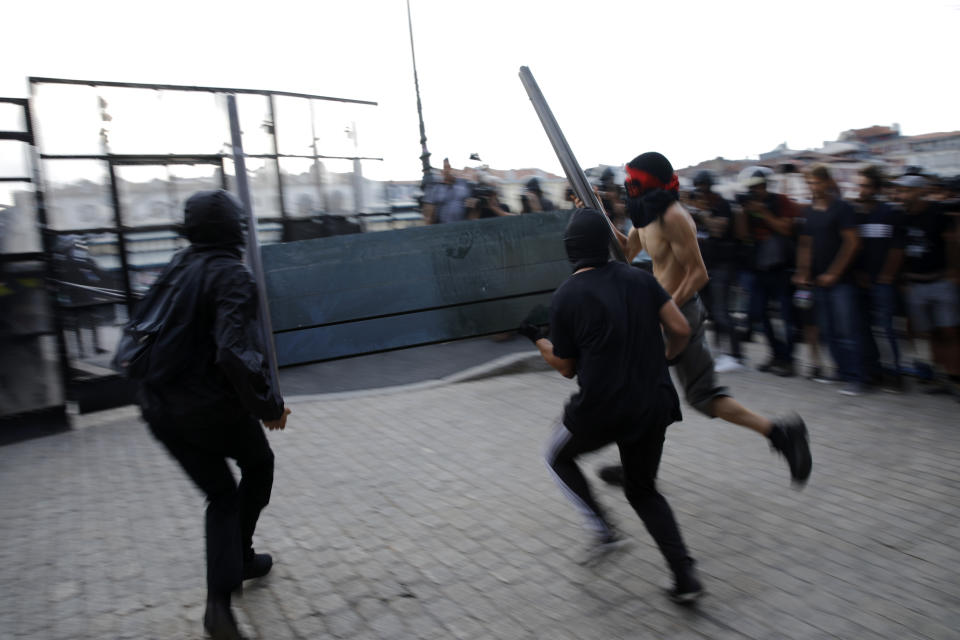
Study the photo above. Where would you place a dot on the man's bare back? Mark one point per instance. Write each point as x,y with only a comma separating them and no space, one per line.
671,242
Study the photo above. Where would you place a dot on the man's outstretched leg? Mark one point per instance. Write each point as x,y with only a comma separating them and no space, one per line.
695,371
641,459
561,455
788,434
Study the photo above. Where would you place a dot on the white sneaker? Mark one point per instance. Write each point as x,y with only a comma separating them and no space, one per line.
727,364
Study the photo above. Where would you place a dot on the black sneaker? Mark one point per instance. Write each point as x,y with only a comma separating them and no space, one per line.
219,622
769,365
893,384
687,588
257,565
783,369
612,474
603,546
792,442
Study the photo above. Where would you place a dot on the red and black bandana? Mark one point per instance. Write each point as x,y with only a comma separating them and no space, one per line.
640,182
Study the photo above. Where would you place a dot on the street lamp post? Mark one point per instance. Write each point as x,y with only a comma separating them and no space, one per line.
424,154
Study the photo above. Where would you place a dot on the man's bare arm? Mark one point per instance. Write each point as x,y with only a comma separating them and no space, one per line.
634,245
567,367
676,328
802,277
678,231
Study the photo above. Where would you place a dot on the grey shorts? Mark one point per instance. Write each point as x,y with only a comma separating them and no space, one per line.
694,368
933,305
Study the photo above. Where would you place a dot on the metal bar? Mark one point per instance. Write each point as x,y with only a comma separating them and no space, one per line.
411,312
120,160
253,243
32,256
22,136
173,159
317,176
121,238
20,101
15,179
48,240
179,87
276,151
308,157
578,179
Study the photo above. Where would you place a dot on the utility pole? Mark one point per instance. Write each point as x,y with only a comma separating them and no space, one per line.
351,132
424,154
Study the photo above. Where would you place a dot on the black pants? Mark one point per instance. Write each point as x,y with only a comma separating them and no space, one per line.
641,460
201,446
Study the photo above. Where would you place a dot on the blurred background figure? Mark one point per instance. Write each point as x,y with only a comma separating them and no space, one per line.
446,201
610,193
828,246
715,228
532,200
85,293
486,199
931,281
767,227
878,264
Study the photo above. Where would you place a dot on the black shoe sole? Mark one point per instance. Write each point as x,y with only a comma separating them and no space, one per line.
685,599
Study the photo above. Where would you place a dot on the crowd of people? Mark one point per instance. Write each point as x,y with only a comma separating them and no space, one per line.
872,278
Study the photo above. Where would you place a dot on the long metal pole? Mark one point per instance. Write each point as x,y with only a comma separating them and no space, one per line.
578,179
48,240
253,243
424,154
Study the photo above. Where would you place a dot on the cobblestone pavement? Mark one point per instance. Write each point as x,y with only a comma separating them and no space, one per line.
429,514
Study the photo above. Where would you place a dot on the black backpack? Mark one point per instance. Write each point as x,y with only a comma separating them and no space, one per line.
167,315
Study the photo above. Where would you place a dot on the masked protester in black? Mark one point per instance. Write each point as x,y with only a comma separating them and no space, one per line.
211,408
605,329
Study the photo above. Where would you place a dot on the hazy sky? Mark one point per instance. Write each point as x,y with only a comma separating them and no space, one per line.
692,79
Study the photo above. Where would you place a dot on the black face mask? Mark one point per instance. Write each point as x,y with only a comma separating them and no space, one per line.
649,207
587,239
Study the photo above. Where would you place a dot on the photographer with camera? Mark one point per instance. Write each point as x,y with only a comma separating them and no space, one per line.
532,200
611,195
714,216
487,202
767,225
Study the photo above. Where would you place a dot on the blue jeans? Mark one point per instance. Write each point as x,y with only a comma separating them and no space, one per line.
878,302
838,318
774,285
721,282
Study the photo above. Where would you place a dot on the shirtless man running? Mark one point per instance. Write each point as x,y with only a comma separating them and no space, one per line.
668,233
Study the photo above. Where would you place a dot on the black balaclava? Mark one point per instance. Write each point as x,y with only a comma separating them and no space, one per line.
651,187
587,239
214,219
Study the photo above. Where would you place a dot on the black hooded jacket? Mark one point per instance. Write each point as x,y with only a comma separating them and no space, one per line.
212,339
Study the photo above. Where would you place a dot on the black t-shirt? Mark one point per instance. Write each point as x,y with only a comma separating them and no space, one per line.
881,230
722,248
608,319
824,229
925,250
763,255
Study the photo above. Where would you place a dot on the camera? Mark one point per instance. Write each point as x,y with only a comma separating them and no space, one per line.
482,191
